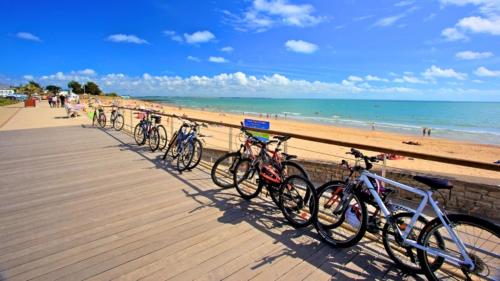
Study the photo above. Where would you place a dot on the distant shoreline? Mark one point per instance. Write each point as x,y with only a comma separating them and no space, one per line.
449,132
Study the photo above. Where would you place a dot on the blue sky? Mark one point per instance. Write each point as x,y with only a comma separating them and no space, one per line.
430,49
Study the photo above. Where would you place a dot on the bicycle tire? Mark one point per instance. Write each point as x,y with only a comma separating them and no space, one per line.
412,265
325,198
94,119
240,180
163,137
173,142
335,239
299,171
185,156
197,146
119,122
306,206
455,221
102,120
219,170
154,139
139,134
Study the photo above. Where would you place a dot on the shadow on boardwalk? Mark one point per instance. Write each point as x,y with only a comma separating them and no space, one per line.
363,261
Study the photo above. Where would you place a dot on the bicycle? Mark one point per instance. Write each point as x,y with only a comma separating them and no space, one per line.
331,224
99,116
185,145
224,167
286,182
149,128
116,118
444,246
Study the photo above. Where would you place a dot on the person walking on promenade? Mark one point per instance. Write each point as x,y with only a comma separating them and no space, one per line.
63,99
424,131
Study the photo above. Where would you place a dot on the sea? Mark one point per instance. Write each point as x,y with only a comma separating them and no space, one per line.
477,122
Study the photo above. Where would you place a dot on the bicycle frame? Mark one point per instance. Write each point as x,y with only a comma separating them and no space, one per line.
426,198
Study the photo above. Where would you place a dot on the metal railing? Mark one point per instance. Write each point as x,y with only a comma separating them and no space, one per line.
231,136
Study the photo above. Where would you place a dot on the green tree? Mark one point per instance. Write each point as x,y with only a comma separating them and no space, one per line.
53,89
30,88
75,87
112,94
92,88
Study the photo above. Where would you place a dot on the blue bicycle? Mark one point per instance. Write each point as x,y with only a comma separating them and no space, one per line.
185,145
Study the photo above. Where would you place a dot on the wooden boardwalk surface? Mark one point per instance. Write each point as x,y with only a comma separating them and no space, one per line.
84,203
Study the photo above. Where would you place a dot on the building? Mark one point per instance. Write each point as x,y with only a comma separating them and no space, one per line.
6,91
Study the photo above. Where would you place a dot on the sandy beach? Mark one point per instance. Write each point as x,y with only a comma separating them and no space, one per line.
219,138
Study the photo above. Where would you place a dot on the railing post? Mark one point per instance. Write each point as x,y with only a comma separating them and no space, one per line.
171,126
384,167
230,139
130,110
285,147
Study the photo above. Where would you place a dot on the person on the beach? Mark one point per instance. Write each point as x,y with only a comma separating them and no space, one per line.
373,126
423,132
429,132
58,100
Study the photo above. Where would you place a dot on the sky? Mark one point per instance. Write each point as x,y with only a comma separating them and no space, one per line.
404,50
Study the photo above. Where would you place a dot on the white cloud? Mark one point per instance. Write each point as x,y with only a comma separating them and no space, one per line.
470,55
28,36
125,38
481,25
436,72
217,60
488,22
484,72
452,34
354,78
173,35
388,21
264,14
409,79
300,46
87,72
191,58
227,49
28,77
199,37
375,78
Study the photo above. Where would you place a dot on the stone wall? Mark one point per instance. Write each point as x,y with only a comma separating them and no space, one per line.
470,198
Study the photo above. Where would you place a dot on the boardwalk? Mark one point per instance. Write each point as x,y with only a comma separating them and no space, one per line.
85,203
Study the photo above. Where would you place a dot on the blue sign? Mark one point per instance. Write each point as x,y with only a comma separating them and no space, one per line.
257,124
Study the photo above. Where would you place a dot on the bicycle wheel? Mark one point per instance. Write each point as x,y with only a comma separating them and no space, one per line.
139,134
163,137
197,154
342,223
185,156
245,179
298,201
404,256
94,119
118,122
288,168
154,139
480,238
223,169
102,120
329,196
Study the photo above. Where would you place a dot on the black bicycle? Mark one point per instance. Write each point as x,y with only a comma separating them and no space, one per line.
150,129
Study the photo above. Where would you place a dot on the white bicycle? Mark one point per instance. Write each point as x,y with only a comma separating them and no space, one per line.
449,247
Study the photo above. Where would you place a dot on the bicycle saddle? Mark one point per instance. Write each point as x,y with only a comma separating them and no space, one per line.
288,156
282,138
434,183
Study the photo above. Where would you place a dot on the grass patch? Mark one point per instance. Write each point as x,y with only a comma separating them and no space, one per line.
4,101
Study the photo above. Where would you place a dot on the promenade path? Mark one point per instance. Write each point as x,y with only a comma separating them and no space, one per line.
86,203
